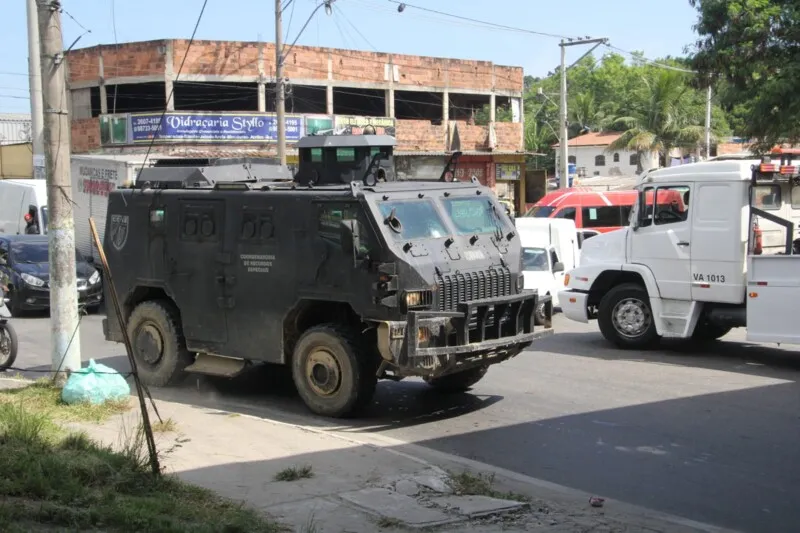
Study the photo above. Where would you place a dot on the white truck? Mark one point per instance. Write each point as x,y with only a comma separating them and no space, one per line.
21,197
690,263
93,177
549,248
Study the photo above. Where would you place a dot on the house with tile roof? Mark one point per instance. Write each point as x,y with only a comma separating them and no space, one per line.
591,156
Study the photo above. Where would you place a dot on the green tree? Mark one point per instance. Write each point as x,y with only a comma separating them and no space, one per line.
659,117
753,46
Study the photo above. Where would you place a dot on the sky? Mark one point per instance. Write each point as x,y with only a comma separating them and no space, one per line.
373,25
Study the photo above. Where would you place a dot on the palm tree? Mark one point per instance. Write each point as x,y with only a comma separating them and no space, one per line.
658,119
585,113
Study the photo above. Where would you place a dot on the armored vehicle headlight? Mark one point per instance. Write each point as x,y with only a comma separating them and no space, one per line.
413,299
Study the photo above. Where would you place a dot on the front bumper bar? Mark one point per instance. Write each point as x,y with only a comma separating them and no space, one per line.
480,332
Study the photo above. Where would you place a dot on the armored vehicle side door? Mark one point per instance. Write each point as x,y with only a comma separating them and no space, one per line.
198,272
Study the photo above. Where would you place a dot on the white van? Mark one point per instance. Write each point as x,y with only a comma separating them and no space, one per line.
19,197
550,248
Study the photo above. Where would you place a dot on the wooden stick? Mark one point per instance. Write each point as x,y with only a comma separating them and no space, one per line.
148,429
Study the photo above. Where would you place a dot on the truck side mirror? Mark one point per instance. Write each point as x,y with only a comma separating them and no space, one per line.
558,267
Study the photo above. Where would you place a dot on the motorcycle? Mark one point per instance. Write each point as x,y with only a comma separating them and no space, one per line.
8,337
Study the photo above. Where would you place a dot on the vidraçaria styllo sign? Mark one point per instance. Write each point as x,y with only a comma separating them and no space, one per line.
211,127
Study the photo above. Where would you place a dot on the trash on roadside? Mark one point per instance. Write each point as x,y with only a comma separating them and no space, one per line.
96,384
596,501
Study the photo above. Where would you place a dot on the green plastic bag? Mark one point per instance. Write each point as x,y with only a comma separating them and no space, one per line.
96,384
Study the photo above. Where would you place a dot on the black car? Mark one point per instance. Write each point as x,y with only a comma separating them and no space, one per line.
24,264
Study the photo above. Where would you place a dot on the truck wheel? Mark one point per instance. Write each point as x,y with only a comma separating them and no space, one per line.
458,382
706,331
538,314
158,344
625,317
333,375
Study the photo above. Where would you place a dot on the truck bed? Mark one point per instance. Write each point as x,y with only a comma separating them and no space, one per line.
773,298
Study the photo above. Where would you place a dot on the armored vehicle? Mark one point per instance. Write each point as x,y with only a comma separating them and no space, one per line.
344,274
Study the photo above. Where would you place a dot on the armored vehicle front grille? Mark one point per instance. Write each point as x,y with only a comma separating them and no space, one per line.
468,286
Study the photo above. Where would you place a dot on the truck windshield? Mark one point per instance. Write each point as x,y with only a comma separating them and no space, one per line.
534,259
414,219
474,215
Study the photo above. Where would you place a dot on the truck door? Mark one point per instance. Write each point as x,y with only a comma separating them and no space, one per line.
719,241
663,240
199,268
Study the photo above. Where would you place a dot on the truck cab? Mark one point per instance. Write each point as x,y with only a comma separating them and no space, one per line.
345,275
686,266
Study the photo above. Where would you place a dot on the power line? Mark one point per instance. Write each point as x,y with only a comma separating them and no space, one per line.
482,22
639,57
172,90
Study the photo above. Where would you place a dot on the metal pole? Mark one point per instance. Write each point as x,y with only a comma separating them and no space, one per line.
65,337
280,97
708,123
35,81
562,143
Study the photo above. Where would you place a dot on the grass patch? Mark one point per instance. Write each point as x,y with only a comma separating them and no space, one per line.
43,397
50,480
467,483
293,473
167,425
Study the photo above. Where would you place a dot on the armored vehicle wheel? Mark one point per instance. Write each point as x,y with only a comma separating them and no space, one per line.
625,317
332,375
158,343
706,331
458,382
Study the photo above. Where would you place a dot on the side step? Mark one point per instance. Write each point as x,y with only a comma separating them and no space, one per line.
217,365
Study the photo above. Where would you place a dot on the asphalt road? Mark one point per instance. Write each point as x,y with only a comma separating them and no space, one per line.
712,435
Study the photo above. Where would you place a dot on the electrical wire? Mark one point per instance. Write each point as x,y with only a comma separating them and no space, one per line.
177,76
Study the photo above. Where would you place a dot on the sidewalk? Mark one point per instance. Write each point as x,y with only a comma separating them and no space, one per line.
364,487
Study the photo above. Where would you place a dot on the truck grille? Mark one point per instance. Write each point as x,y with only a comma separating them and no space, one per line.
468,286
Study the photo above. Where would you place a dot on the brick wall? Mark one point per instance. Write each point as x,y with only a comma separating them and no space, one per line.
304,62
85,135
509,136
419,135
130,59
216,57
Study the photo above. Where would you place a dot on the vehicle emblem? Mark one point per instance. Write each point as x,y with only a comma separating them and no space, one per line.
119,231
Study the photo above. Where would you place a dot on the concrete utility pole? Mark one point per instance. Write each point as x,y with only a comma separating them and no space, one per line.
35,80
563,182
65,337
708,123
564,129
280,96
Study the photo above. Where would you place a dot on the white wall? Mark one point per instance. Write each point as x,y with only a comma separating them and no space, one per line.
585,156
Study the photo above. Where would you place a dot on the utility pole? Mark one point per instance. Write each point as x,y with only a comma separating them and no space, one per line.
708,123
280,97
64,334
35,81
563,182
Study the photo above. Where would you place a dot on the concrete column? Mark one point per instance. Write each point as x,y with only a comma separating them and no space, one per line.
390,102
329,87
169,76
329,99
102,82
262,86
445,107
492,107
